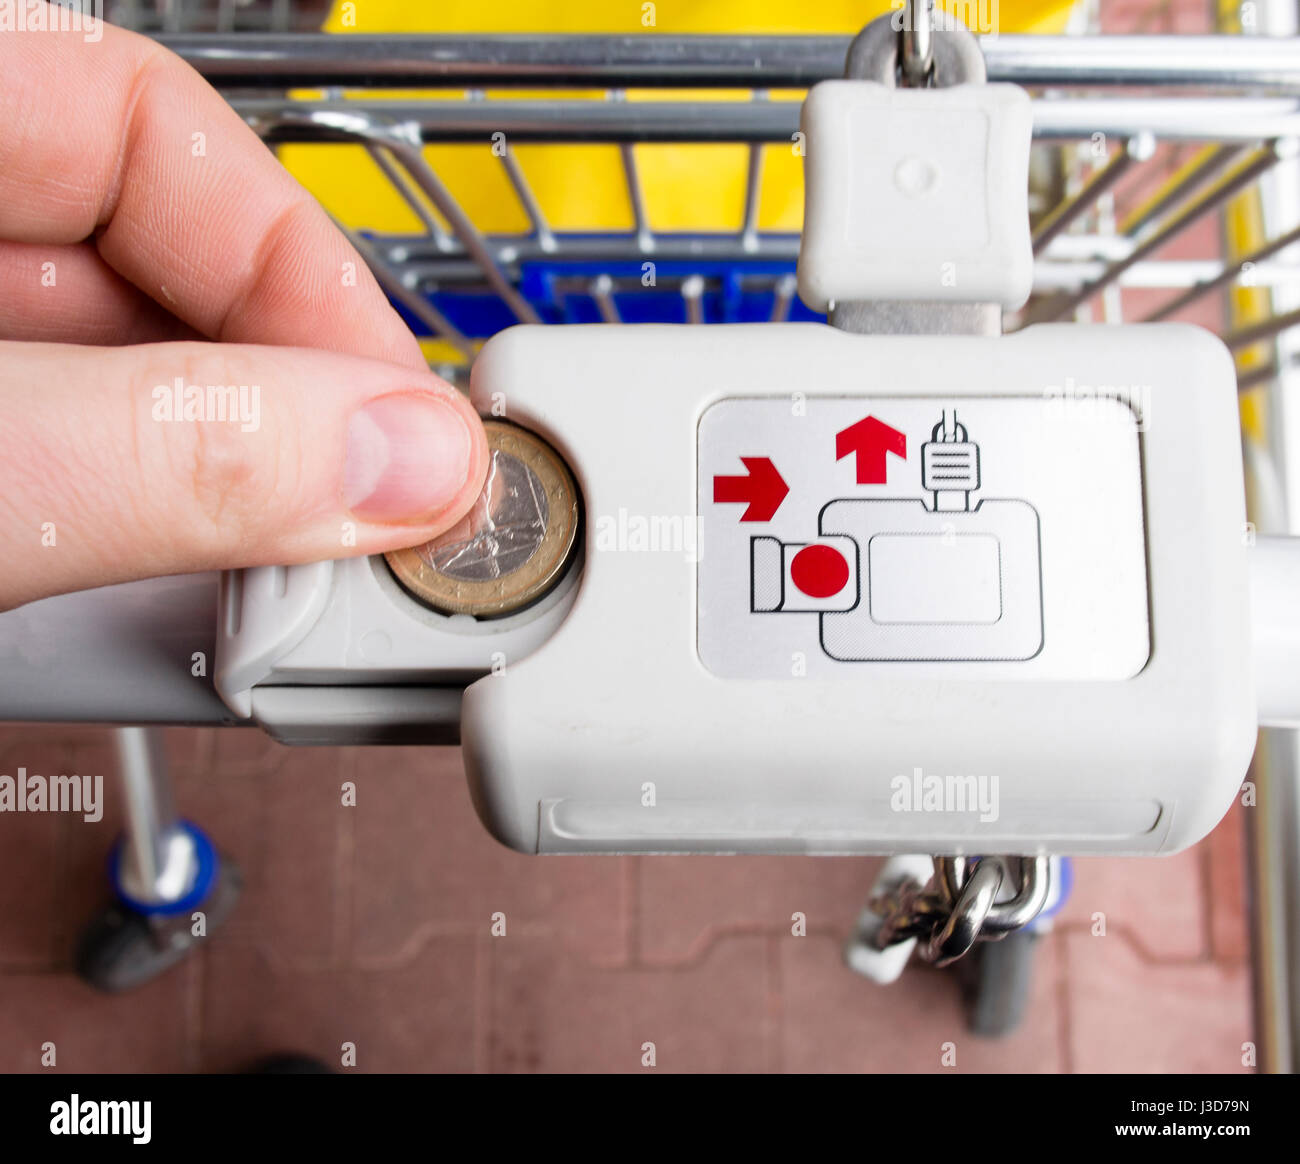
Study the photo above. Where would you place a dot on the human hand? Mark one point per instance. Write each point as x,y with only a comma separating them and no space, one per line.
150,244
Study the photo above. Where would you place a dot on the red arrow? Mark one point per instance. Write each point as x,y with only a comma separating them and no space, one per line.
762,490
871,440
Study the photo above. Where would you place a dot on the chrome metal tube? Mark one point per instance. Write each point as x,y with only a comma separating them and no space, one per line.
1136,149
1273,842
1263,160
397,177
1228,275
1243,337
1273,488
276,61
147,800
137,653
528,200
644,236
394,286
1226,119
469,236
1217,162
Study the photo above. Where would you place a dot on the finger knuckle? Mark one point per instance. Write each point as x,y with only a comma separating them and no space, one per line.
225,474
230,480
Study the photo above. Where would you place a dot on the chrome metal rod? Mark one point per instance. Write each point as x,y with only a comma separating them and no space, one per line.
602,291
495,61
1225,119
528,200
471,239
1175,224
1220,119
417,257
1218,161
1228,275
402,184
415,303
784,62
1273,842
693,292
1256,62
644,236
784,297
1243,337
147,799
1136,149
1248,381
142,652
753,197
1271,459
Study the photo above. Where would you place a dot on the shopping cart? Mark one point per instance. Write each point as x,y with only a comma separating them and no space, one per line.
1200,126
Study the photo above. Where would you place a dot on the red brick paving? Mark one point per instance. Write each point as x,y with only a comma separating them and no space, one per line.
836,1021
372,925
1129,1014
1159,906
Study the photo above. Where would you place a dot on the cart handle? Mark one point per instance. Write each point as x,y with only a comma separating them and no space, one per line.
142,652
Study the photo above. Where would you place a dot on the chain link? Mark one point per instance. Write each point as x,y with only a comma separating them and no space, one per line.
960,906
916,52
918,55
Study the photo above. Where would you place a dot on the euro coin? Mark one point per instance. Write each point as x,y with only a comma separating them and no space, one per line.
514,545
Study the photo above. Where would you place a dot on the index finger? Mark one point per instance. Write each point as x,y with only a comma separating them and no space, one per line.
119,139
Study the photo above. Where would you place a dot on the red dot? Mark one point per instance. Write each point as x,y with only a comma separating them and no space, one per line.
819,571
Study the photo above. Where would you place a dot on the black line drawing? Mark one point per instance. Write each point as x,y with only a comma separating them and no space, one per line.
941,568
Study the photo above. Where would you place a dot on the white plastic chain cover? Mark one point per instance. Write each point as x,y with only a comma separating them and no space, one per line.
917,194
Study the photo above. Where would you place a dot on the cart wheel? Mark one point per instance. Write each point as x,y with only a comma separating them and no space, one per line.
996,978
122,948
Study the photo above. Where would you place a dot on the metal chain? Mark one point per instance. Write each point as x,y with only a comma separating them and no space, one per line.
960,906
916,55
916,49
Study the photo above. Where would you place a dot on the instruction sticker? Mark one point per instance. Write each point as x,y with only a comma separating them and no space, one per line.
973,535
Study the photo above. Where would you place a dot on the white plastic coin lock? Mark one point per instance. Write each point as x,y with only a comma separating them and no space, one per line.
835,664
838,593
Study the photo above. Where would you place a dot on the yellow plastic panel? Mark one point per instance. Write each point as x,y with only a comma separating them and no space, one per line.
578,187
697,188
670,16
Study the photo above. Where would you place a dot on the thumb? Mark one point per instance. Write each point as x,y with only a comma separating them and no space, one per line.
134,462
